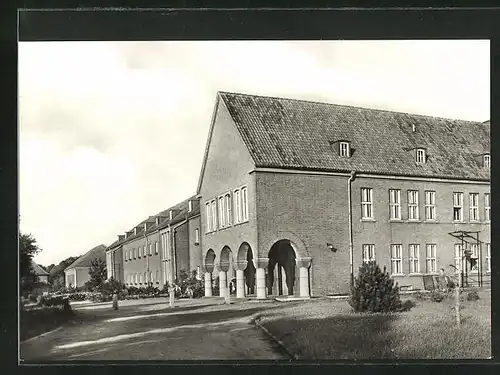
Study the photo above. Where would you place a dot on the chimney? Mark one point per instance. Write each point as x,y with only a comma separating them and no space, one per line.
121,237
190,205
170,215
413,128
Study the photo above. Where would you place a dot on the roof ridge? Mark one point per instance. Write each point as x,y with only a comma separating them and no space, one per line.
354,107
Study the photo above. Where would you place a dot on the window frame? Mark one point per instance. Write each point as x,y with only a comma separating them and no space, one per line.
488,257
237,206
420,156
221,212
244,203
344,152
414,258
368,204
228,208
397,260
487,207
156,247
474,210
432,259
457,247
487,161
368,253
414,205
395,204
197,236
459,206
430,205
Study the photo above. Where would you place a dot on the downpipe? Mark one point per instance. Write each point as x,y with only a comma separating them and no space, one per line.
351,255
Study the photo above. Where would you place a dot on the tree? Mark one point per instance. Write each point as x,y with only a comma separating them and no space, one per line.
27,249
56,273
97,272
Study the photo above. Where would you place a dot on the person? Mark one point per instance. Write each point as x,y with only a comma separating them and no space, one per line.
443,280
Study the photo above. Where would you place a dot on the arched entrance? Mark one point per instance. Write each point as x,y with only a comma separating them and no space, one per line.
246,266
209,266
281,269
226,274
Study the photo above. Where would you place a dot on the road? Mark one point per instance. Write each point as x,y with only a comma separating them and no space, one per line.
203,329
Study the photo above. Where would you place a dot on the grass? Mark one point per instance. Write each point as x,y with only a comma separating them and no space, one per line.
34,322
328,329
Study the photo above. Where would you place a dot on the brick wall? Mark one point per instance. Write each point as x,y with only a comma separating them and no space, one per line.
140,265
195,257
182,249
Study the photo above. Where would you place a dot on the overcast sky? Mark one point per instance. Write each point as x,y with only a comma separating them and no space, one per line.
113,132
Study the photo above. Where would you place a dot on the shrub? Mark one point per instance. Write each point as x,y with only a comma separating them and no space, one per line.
437,296
32,297
472,295
373,290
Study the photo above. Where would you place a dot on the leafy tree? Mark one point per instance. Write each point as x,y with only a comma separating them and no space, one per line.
56,273
374,290
98,274
27,249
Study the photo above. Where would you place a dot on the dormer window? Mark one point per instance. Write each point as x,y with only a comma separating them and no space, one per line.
344,149
190,206
486,161
420,156
171,214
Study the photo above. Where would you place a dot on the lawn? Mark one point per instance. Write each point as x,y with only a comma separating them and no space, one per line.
328,329
34,322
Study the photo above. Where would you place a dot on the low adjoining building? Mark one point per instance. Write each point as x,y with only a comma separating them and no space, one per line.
77,273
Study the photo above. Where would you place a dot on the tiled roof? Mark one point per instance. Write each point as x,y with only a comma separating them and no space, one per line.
39,271
89,256
296,134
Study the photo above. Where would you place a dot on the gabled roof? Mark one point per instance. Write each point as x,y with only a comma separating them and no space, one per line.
297,134
89,256
39,270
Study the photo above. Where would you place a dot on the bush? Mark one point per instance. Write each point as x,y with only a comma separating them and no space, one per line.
32,297
373,290
472,295
60,301
437,296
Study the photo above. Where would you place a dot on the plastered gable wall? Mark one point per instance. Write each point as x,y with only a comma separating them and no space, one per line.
227,167
82,276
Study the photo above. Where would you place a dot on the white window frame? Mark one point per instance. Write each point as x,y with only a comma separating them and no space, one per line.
344,149
150,249
167,246
237,206
368,251
227,208
414,258
126,256
213,204
487,207
397,259
135,253
367,203
156,247
487,161
475,255
197,236
208,211
395,204
473,206
430,258
420,155
459,254
430,205
157,278
488,258
458,206
222,216
413,205
244,204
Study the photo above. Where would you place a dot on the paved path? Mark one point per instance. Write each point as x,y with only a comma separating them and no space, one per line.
151,330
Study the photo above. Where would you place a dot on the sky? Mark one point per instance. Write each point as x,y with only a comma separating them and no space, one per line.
112,132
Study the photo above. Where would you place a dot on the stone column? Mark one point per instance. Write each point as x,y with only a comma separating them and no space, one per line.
222,284
208,284
304,264
240,278
260,266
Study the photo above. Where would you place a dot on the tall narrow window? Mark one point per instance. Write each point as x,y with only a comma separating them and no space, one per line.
474,207
209,216
244,204
126,255
197,236
413,205
430,205
397,259
414,251
237,207
458,206
488,257
395,204
366,203
368,253
151,277
135,253
458,257
214,215
167,247
474,258
139,251
146,280
227,206
420,155
222,215
430,260
157,278
487,207
487,161
150,249
344,149
156,247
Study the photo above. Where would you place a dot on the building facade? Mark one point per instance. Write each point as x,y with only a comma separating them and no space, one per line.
296,195
77,273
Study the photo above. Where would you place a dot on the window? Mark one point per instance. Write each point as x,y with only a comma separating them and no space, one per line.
156,247
430,258
413,205
198,273
140,278
487,207
395,204
366,203
237,206
157,278
211,211
474,258
488,257
222,216
414,258
197,236
227,207
397,259
150,249
209,216
487,161
420,155
126,255
190,206
458,257
145,278
474,207
368,253
214,215
151,277
135,253
430,205
458,206
139,252
164,244
167,246
344,149
136,279
244,204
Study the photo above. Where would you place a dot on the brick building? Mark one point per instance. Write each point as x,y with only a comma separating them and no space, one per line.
158,248
295,195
